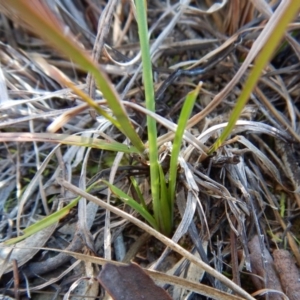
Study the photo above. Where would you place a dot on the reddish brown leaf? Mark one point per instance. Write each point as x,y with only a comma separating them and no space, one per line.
288,273
267,275
130,282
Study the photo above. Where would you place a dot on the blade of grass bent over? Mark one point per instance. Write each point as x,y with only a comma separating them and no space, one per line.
133,204
60,77
43,22
67,140
45,222
282,17
49,220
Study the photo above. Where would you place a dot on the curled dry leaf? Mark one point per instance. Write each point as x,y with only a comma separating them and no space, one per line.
130,282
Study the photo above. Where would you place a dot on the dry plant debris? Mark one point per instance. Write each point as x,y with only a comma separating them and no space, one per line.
233,208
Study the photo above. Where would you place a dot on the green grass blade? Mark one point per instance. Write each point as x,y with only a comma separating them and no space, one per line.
133,204
150,103
138,191
263,58
50,31
93,104
67,140
182,121
165,216
45,222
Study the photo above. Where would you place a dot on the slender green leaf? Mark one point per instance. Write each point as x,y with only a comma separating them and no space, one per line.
45,222
165,212
282,205
263,58
93,104
133,204
138,191
150,103
182,121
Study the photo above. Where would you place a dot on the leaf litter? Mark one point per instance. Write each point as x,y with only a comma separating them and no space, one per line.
244,198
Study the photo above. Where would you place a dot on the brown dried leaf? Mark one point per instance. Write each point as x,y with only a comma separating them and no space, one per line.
266,271
288,273
130,282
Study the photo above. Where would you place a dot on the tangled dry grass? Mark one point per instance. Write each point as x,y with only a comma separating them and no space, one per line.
245,223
